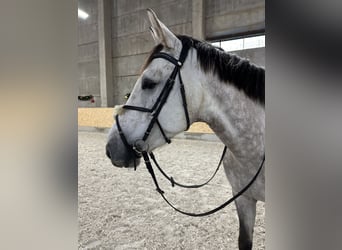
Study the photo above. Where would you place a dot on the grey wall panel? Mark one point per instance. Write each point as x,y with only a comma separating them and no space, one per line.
126,6
87,33
227,18
131,40
123,85
171,13
90,7
128,65
176,12
222,7
256,56
87,29
128,24
87,69
182,29
153,3
122,7
240,5
142,42
89,86
132,45
89,78
88,52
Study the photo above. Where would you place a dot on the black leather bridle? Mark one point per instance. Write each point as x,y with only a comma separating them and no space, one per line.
140,148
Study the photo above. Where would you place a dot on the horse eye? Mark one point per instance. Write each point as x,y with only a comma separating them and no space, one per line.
148,84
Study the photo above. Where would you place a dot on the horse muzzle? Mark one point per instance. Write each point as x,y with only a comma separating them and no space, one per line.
120,156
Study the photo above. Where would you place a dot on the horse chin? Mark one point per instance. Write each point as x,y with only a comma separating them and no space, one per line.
131,163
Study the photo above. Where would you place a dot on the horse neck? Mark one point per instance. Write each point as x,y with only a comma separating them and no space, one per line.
236,119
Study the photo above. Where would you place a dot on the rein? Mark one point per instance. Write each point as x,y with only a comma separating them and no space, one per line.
140,148
161,192
174,183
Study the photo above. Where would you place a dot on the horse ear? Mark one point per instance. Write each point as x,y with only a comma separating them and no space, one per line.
160,33
153,33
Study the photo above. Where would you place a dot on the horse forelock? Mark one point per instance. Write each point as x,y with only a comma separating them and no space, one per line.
155,50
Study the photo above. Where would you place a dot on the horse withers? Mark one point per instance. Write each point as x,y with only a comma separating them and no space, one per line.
184,81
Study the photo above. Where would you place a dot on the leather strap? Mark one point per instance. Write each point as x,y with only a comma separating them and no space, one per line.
237,195
162,98
174,183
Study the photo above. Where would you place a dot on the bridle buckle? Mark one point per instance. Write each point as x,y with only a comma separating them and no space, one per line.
140,146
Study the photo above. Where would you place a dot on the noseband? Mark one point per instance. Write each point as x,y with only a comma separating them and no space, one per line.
140,147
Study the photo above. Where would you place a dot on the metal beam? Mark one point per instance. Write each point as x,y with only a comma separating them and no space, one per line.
105,52
198,19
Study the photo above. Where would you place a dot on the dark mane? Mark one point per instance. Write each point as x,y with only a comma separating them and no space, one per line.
231,68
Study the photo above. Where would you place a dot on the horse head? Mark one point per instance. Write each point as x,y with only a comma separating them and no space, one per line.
159,106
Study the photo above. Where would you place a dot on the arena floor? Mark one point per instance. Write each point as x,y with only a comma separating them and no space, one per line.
120,209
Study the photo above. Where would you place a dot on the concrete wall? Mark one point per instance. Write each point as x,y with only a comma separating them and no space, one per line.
88,54
131,40
226,18
256,56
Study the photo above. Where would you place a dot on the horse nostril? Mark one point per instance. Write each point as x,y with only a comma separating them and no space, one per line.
108,153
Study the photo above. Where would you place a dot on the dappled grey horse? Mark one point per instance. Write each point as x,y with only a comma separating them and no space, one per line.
204,84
